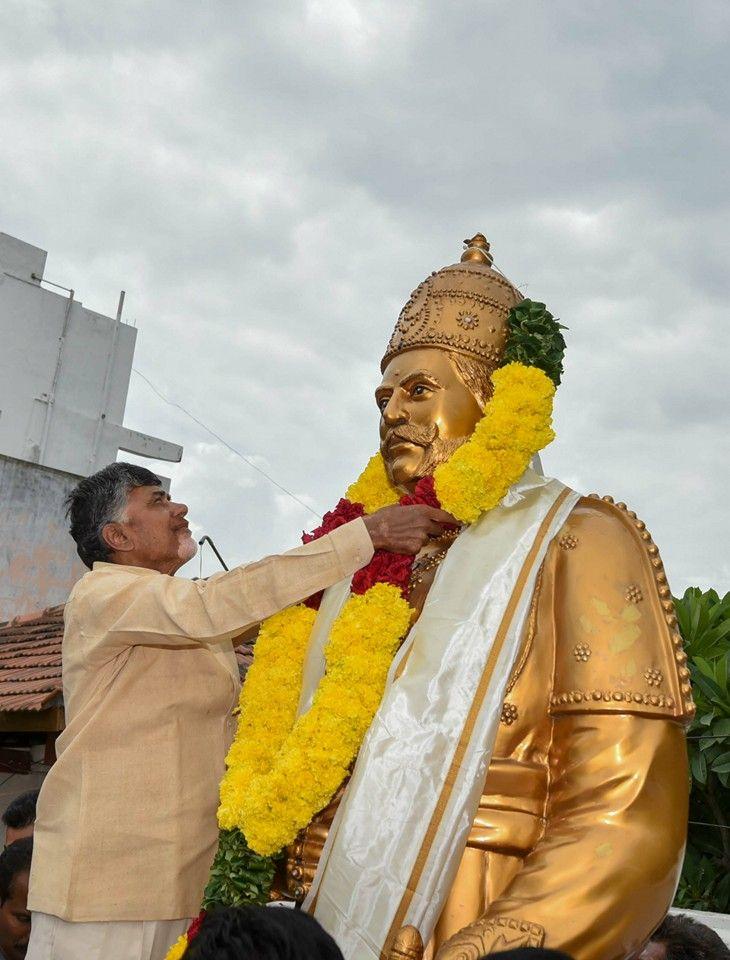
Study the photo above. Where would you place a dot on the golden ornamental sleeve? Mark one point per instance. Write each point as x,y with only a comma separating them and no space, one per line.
617,643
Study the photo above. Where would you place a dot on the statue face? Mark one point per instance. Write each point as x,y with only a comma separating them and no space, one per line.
426,412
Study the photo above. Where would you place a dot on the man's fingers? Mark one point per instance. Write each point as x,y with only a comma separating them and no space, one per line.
435,528
407,529
441,516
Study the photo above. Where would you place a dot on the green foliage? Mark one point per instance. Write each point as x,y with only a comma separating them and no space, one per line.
238,875
704,620
535,339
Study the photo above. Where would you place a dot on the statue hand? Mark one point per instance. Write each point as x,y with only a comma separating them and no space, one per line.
490,936
407,945
406,529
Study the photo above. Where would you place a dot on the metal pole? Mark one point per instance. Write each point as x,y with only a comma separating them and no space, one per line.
206,539
56,375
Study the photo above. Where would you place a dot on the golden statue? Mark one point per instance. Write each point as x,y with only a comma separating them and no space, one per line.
580,826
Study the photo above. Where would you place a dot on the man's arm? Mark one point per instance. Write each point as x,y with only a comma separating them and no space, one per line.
125,608
117,610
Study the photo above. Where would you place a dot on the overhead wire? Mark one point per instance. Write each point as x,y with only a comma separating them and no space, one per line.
229,446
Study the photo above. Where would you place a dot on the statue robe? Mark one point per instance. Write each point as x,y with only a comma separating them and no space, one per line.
578,841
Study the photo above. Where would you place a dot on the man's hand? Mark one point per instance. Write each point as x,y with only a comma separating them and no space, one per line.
406,529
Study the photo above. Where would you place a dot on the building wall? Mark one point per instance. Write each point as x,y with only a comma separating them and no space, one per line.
38,561
64,374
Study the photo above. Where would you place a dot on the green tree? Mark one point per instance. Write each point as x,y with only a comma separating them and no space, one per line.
704,620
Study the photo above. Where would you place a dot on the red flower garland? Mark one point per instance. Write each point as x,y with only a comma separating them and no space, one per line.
384,567
194,928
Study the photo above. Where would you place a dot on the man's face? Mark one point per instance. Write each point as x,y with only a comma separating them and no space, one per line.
153,531
15,920
426,412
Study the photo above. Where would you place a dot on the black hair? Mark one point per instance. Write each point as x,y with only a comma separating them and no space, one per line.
263,933
100,499
20,812
528,953
686,939
14,860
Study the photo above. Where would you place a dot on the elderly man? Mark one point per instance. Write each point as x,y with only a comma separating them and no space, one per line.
126,831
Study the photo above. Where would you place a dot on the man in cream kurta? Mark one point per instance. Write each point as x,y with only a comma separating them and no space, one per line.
126,826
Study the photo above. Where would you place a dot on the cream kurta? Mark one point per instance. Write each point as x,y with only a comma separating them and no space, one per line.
126,826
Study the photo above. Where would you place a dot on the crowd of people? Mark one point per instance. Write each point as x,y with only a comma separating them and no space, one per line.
260,933
15,860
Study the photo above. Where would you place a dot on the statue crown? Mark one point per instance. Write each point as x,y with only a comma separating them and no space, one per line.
462,307
477,249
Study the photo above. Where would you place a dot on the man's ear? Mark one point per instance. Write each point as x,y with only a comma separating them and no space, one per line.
115,537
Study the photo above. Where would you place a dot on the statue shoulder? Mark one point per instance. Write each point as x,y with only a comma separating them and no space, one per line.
617,643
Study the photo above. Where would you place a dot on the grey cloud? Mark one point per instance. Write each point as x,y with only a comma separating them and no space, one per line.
269,184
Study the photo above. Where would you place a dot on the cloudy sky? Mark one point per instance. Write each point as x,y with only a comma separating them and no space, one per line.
268,182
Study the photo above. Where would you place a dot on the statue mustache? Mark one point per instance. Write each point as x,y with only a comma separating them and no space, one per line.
412,433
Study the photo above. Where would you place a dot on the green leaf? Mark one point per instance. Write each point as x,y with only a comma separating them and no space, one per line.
535,339
721,768
238,875
699,767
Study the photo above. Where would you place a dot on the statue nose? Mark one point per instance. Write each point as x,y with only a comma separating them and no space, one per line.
393,413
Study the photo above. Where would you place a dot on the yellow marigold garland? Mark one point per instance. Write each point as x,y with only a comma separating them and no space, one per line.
372,488
177,950
314,759
281,772
516,424
268,705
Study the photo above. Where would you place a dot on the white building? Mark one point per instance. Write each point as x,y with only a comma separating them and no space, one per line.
64,377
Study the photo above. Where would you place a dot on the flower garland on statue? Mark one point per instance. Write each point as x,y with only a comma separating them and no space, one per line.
283,769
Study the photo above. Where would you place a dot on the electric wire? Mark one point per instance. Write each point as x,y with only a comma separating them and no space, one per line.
220,439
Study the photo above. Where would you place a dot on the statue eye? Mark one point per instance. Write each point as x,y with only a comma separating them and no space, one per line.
419,390
382,403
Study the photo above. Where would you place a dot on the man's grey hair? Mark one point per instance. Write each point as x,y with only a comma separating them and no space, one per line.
101,499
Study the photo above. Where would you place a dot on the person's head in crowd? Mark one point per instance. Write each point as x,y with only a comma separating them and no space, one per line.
261,933
679,937
122,514
19,817
14,915
528,953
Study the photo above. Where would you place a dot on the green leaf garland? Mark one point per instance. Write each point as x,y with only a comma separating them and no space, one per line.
238,875
535,339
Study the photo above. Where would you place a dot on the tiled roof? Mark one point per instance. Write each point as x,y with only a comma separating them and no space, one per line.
30,661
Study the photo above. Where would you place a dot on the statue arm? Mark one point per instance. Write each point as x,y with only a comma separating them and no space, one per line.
606,869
